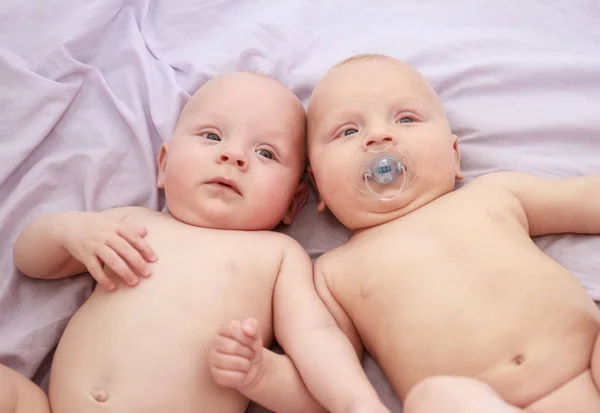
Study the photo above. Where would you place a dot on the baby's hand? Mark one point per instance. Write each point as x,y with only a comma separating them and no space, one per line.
236,358
95,238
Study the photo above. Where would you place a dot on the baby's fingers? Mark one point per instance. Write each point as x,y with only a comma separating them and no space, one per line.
231,362
228,346
135,237
227,378
115,262
251,330
234,331
97,273
130,255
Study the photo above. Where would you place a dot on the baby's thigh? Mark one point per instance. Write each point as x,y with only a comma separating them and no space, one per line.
455,394
20,395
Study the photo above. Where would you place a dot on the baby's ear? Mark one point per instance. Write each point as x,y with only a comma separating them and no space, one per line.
162,164
321,205
459,174
298,201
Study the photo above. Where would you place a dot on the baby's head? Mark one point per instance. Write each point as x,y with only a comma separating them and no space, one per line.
237,155
379,142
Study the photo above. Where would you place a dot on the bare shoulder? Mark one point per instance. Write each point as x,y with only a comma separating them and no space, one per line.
282,242
293,260
498,187
504,179
276,246
551,205
498,192
331,259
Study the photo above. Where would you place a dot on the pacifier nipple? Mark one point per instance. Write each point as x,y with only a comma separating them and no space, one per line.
384,169
385,177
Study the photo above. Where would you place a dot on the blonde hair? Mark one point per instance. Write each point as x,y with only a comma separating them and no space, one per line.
362,56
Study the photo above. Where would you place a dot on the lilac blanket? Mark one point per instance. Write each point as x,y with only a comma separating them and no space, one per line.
90,89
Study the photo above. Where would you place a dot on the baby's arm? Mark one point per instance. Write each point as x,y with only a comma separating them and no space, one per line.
19,395
65,244
326,356
554,206
238,360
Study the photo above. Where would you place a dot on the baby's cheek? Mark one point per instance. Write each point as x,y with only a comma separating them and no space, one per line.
273,196
337,189
176,191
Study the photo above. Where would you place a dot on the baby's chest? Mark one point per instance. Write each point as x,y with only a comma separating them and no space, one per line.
190,270
201,271
433,263
198,293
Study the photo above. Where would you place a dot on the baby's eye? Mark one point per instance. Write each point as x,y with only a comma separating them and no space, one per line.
263,152
212,136
405,119
349,132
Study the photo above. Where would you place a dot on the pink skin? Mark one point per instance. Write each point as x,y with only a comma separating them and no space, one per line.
231,164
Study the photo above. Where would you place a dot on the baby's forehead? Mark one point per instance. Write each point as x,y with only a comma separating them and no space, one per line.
237,95
374,75
367,79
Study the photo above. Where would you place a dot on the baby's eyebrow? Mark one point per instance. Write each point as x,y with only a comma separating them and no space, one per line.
338,116
198,121
210,116
412,100
343,113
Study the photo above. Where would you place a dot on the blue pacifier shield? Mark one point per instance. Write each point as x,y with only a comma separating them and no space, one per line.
385,177
384,169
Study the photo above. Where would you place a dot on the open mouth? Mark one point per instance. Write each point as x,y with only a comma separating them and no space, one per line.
225,183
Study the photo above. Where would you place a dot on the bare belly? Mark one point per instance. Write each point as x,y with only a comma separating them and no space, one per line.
523,366
117,358
526,331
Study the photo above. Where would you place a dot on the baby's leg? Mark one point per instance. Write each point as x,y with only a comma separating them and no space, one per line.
19,395
455,394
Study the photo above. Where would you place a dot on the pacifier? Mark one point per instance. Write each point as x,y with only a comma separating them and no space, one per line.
386,175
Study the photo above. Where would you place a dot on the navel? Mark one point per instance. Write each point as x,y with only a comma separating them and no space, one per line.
100,396
518,359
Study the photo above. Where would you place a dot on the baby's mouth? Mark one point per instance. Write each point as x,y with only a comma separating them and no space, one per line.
226,183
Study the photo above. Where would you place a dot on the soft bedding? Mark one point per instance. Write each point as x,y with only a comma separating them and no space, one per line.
90,89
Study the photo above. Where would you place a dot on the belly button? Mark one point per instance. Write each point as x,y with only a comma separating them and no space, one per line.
518,359
100,396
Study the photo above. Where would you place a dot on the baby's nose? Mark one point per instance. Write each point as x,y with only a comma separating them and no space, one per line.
378,139
236,158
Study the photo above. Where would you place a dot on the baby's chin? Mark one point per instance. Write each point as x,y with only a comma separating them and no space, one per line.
369,212
361,220
225,220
